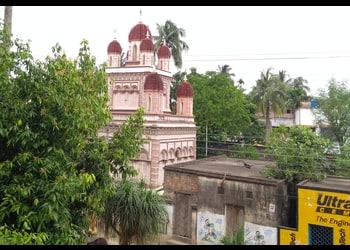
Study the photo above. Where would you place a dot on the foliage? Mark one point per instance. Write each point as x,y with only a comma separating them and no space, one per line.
298,153
237,239
127,144
340,164
297,92
54,168
269,95
225,69
255,133
333,112
136,213
243,151
171,35
21,238
220,108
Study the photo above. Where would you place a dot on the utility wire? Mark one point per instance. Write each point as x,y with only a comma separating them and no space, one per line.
267,58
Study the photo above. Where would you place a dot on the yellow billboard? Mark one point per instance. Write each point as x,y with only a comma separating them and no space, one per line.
323,219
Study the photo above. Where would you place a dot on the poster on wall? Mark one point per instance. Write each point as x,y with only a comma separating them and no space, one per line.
210,228
259,235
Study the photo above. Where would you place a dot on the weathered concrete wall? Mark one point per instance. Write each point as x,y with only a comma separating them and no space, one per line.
263,205
182,183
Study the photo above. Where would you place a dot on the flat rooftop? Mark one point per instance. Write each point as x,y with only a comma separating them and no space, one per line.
331,183
247,170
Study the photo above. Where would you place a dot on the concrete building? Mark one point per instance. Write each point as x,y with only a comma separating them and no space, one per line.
302,116
144,81
212,197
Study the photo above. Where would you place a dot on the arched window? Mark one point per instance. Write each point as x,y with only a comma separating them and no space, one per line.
110,61
143,60
178,153
182,108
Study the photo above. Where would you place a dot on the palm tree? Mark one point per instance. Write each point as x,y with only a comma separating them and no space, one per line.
282,76
269,95
135,212
171,35
298,94
301,83
225,69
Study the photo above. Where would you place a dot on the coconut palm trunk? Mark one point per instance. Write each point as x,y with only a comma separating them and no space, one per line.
269,95
267,123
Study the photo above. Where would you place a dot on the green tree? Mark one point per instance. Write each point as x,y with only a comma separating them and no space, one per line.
54,168
221,110
126,145
240,83
340,166
225,69
284,77
172,36
255,134
333,111
298,92
136,213
269,95
298,153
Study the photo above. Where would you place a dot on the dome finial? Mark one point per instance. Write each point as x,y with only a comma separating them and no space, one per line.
140,15
185,77
115,33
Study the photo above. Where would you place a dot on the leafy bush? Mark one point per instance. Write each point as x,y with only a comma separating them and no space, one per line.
245,151
237,239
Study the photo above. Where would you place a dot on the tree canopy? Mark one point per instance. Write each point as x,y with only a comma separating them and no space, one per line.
218,105
54,168
171,35
299,154
136,213
333,111
269,95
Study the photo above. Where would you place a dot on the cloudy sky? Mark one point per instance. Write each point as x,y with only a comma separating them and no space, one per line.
308,41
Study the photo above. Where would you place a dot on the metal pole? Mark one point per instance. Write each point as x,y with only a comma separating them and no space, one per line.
8,18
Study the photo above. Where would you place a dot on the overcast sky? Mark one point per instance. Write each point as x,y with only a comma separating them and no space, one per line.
308,41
